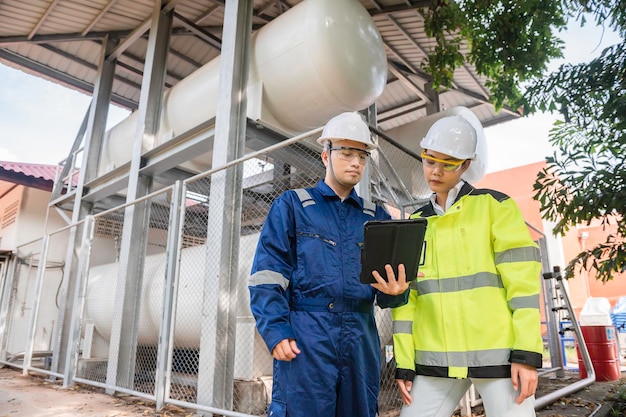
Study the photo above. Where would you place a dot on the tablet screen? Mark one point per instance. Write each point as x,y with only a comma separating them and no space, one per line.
392,242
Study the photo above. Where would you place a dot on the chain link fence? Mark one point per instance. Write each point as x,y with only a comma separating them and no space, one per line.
123,302
394,174
159,293
29,324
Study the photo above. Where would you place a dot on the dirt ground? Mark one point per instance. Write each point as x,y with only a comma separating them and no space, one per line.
26,396
595,399
34,396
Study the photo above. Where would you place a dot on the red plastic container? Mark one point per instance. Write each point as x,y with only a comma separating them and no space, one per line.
601,342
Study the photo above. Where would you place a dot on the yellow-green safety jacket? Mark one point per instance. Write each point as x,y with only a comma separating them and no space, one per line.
476,309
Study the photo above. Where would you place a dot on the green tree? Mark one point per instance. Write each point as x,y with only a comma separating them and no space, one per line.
510,43
586,179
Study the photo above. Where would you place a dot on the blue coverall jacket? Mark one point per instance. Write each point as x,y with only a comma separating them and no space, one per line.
305,285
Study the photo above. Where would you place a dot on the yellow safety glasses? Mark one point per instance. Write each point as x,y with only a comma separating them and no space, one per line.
446,164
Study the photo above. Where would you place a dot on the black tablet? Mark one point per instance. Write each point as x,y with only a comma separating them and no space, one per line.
392,242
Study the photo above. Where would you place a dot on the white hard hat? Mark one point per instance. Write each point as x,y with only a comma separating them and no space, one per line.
453,136
347,126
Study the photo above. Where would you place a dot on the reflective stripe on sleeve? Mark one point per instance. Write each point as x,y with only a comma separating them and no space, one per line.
529,301
402,326
528,253
268,277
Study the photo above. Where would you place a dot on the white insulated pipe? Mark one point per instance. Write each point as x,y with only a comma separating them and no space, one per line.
320,58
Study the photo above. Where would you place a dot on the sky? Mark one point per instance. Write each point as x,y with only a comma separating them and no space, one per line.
39,119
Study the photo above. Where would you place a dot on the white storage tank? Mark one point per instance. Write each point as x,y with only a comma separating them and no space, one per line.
100,299
320,58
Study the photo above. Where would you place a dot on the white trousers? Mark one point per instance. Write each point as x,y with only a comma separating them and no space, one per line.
439,397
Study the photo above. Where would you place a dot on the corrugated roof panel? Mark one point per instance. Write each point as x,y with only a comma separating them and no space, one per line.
466,80
125,90
81,14
211,16
124,15
402,31
190,46
115,22
46,172
27,6
85,52
58,62
192,10
18,19
138,9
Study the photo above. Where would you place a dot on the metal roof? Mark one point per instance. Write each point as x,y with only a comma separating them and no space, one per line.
38,176
60,40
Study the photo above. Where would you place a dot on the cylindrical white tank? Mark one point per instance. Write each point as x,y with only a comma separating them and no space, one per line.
320,58
100,300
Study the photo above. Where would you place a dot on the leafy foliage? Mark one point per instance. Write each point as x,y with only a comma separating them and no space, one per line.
508,42
586,179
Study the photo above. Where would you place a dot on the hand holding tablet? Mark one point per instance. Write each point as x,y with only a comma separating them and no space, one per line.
392,242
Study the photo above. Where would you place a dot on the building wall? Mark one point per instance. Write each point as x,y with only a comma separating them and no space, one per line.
24,237
10,204
518,184
23,216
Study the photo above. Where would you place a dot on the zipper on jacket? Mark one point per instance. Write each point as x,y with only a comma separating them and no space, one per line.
316,236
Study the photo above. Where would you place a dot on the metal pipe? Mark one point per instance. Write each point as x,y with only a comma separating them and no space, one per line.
591,374
547,371
596,410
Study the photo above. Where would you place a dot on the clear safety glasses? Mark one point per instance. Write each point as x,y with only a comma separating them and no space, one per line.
346,153
446,164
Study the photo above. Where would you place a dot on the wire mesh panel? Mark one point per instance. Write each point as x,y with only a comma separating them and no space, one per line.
124,296
51,299
214,356
398,183
265,176
398,179
22,298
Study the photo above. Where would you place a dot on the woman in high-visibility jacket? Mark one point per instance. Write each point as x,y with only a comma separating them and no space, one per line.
473,313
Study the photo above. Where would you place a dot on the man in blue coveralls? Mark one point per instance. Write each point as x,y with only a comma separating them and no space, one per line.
311,309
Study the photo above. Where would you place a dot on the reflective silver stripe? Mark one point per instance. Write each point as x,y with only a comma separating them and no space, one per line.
268,277
529,301
305,197
528,253
402,326
369,208
469,282
489,357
